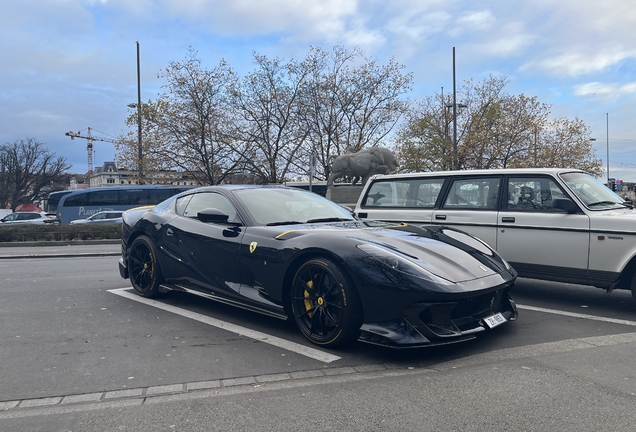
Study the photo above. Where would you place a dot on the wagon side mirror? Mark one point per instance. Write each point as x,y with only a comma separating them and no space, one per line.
565,204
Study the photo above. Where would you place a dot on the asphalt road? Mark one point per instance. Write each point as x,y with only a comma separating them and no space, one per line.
79,352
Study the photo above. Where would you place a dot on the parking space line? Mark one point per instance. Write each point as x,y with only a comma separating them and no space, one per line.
252,334
578,315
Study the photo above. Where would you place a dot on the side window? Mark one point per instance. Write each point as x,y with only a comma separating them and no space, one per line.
473,193
411,193
205,200
532,193
182,203
382,194
426,192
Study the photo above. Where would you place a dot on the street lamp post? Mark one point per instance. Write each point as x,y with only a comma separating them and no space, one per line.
607,138
455,105
138,106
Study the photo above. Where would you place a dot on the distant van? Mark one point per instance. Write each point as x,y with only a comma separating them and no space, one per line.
552,224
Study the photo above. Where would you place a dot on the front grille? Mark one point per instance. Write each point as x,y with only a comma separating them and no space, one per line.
448,319
477,306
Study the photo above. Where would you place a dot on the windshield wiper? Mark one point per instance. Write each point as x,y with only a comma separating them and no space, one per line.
602,202
330,219
284,223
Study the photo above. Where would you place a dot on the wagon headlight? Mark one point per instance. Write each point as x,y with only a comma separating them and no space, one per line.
401,264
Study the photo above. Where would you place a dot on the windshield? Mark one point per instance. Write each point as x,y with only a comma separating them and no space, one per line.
278,206
594,194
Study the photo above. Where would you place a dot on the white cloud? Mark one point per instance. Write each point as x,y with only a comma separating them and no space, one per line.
604,91
584,61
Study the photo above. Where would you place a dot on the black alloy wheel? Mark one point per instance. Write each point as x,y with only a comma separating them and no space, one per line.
143,267
325,303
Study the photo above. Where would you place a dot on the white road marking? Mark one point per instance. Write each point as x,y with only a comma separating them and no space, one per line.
253,334
578,315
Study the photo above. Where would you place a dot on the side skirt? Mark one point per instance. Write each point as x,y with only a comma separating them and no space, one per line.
173,287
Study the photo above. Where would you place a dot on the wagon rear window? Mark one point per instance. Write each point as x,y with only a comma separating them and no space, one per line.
409,193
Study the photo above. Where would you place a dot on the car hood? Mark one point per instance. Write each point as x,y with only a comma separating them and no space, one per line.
448,253
613,220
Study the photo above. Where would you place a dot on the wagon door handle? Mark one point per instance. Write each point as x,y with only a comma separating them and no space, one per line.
508,219
440,217
169,232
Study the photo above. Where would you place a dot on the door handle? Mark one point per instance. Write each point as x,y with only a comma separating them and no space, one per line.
440,217
508,219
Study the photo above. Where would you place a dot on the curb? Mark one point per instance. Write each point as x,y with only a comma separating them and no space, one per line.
59,243
65,255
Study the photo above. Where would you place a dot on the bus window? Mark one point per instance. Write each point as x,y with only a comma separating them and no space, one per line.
136,197
77,200
155,196
107,197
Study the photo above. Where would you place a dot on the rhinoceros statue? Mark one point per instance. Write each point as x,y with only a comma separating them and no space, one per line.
362,165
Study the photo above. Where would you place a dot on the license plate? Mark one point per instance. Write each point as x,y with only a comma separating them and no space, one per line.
495,320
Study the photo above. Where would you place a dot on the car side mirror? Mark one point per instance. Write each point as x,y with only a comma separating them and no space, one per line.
212,215
565,204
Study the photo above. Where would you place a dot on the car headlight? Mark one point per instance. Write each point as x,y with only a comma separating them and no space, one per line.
401,264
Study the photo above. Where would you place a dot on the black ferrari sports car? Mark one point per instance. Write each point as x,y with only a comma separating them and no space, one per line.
291,253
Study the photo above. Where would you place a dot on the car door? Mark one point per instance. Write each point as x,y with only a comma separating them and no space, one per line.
204,255
470,204
537,239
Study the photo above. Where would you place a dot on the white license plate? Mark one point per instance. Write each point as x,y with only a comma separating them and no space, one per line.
495,320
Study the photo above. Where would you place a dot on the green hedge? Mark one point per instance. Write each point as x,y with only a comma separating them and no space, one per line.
57,232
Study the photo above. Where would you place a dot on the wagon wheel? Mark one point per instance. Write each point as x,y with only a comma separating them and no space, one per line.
143,267
325,303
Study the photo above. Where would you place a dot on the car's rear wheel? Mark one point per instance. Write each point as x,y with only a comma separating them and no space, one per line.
633,286
143,267
325,303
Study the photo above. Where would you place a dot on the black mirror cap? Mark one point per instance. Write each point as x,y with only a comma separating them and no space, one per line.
565,204
212,215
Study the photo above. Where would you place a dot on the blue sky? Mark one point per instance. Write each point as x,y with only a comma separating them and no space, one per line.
70,64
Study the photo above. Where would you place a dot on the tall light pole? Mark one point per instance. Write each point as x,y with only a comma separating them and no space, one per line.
455,162
607,138
139,148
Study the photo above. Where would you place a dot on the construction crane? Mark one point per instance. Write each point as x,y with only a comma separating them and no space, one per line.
89,144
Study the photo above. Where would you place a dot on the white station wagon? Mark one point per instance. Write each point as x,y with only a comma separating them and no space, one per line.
553,224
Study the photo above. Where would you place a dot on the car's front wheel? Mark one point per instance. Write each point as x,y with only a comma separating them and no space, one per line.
325,303
143,267
633,286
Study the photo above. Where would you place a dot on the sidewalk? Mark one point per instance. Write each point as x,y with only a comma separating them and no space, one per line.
85,248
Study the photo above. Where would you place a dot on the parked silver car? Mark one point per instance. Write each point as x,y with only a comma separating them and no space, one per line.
29,218
102,218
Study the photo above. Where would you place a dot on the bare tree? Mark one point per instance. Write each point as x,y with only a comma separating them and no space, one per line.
268,104
190,126
349,102
28,170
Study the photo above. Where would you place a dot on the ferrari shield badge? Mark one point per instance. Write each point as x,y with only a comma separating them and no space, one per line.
253,247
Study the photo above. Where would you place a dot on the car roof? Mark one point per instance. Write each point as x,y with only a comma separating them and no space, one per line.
497,171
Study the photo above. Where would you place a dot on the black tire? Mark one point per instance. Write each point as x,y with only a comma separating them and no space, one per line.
143,268
633,286
325,303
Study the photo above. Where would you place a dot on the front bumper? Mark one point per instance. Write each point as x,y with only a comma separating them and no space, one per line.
441,323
